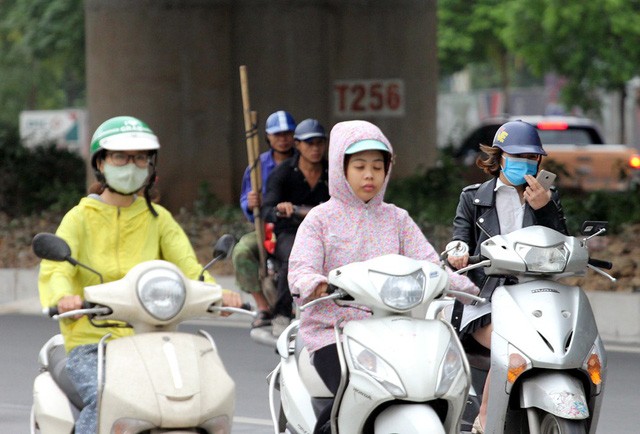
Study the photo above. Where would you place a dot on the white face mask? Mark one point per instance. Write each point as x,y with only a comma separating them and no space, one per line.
126,179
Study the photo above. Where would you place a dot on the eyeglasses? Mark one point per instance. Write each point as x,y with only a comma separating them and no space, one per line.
121,159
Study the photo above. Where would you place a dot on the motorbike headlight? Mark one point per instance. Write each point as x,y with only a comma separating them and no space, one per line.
162,293
367,361
543,259
451,365
400,292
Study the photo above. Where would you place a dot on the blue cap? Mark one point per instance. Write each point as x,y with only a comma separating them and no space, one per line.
280,122
309,129
518,137
366,145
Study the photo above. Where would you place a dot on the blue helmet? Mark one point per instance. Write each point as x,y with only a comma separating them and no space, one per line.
279,122
518,137
309,129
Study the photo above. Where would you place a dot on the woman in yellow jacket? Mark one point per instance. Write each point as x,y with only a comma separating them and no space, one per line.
112,231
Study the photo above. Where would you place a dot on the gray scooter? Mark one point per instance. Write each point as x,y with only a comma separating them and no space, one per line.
548,361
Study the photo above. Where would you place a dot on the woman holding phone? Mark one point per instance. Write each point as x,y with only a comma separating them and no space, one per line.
511,200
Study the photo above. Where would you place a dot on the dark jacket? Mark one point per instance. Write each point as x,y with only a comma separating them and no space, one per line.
288,184
476,221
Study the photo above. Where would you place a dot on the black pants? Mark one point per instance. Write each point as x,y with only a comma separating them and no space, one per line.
327,363
284,302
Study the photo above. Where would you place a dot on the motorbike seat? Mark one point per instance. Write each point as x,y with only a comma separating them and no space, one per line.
57,362
308,373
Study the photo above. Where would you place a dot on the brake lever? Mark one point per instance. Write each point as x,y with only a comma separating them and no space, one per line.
336,295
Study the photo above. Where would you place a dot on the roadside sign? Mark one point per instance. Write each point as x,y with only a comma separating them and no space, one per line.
67,129
357,98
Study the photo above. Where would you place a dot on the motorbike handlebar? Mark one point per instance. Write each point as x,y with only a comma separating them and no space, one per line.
244,309
53,310
298,211
474,259
607,265
331,289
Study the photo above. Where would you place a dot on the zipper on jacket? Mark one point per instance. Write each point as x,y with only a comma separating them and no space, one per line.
118,240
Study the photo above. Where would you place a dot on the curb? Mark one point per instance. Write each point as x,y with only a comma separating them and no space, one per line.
617,314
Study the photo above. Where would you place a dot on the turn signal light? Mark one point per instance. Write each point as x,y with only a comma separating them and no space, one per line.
634,161
594,368
517,365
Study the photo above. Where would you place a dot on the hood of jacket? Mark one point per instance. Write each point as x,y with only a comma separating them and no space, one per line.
342,135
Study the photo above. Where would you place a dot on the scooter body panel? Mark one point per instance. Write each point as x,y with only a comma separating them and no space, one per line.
415,349
554,327
551,323
51,408
295,398
172,380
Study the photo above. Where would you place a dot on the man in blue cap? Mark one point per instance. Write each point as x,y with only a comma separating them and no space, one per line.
279,130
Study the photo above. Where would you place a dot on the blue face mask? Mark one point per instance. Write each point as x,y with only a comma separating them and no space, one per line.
516,168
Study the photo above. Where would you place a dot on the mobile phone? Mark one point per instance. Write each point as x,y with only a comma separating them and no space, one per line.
546,178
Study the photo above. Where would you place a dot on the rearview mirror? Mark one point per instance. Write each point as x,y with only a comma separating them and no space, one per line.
593,227
51,247
224,246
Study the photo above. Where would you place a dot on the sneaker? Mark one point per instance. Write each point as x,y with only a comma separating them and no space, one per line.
279,323
262,320
477,427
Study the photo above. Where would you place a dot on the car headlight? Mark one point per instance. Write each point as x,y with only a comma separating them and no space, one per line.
452,364
367,361
400,292
162,293
543,259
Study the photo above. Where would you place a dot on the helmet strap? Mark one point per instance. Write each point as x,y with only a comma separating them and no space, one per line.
147,191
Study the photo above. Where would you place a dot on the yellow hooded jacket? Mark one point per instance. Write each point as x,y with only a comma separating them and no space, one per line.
111,240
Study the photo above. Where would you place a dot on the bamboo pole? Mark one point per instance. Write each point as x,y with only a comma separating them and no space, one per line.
253,156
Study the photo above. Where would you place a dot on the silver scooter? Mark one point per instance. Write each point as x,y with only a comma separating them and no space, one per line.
547,360
159,380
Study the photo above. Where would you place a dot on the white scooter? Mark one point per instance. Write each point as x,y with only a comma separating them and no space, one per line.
401,373
547,360
157,381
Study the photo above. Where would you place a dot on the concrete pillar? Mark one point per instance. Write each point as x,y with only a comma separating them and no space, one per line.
174,64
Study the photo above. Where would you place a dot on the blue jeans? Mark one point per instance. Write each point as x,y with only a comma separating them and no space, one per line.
82,367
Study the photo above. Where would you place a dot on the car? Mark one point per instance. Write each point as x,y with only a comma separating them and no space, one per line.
576,150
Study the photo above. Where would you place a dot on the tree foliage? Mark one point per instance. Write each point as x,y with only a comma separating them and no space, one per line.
592,44
42,64
468,33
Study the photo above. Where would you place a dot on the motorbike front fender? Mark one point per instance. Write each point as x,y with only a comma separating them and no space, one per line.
408,418
556,393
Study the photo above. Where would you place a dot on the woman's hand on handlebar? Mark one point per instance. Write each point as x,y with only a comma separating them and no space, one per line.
70,302
459,262
320,291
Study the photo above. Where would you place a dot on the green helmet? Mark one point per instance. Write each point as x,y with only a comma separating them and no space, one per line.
122,133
